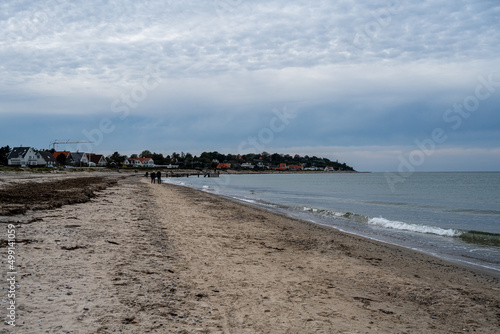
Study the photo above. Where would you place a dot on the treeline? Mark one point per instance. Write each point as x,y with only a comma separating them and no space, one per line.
4,154
205,160
212,159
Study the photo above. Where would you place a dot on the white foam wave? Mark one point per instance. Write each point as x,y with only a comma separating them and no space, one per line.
325,212
247,200
397,225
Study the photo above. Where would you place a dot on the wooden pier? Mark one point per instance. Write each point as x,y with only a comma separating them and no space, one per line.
189,174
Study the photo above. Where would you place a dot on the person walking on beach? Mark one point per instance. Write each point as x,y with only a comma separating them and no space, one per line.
153,177
158,176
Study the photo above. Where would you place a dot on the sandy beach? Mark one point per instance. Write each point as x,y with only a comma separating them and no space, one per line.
135,257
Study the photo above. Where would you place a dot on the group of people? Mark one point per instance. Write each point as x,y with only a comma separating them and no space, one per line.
155,176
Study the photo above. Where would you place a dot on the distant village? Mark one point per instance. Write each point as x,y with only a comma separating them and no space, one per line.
31,157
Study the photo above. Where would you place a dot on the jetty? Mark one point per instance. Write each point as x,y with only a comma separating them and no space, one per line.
192,174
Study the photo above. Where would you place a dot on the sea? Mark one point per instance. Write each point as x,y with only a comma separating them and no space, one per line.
451,215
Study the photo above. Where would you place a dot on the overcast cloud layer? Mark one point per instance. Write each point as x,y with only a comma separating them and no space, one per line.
380,85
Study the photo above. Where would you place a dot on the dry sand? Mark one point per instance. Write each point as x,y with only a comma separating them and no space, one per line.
143,258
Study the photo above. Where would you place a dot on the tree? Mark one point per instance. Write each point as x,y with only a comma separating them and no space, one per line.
266,156
116,159
133,156
146,154
158,159
276,158
61,159
4,155
175,157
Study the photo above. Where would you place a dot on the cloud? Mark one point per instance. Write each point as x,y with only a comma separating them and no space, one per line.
191,39
382,73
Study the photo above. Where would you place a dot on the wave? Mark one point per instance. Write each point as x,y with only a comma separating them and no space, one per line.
246,200
331,213
472,237
386,223
476,211
255,202
397,225
388,203
481,238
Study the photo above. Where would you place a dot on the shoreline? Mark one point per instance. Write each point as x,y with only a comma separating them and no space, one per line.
143,257
376,274
73,170
481,265
477,268
461,248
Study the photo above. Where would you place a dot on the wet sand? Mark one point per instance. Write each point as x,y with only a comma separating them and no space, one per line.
147,258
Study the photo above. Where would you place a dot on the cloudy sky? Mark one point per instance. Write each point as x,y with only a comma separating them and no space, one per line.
381,85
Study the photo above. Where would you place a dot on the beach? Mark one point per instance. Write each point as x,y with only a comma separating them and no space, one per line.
136,257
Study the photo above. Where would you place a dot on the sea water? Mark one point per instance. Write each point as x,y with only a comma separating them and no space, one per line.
454,216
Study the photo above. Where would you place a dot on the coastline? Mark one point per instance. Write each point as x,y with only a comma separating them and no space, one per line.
363,205
73,170
141,257
316,278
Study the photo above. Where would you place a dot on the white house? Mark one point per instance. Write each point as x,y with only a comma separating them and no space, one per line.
139,162
27,156
23,156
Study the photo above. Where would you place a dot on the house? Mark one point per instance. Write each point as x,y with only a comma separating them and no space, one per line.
22,156
139,162
77,159
128,162
247,165
224,165
27,156
282,166
329,169
294,167
48,158
96,160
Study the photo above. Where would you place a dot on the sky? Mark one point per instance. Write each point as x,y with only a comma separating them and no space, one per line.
392,85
